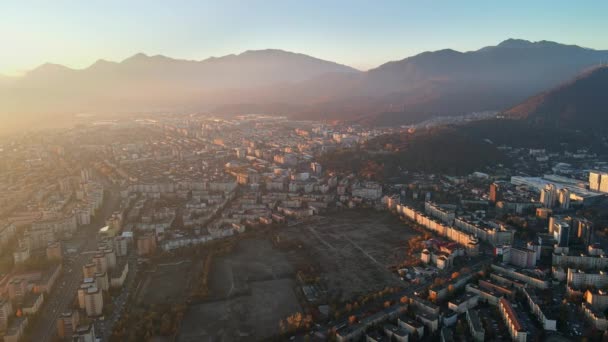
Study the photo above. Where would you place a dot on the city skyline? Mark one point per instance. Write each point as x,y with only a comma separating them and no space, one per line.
357,34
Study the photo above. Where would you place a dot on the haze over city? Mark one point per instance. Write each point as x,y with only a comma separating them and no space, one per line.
303,171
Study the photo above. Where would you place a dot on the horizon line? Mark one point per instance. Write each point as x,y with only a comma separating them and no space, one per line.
22,73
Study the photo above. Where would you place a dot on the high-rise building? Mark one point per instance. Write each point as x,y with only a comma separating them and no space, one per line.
93,301
561,233
604,183
564,198
67,323
584,231
598,181
548,196
594,180
100,261
102,282
82,291
316,168
89,270
495,192
121,246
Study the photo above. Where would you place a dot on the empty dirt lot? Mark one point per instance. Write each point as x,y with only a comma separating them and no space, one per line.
252,288
168,283
354,249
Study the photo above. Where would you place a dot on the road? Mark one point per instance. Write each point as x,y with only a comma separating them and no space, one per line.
119,301
62,296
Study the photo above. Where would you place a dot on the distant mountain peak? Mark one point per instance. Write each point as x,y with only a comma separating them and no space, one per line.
142,57
522,43
136,57
515,43
102,63
266,51
48,69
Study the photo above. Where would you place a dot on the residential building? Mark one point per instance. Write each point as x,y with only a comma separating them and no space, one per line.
146,244
16,329
411,326
93,301
89,270
475,326
67,324
32,303
54,251
464,302
84,333
17,289
512,321
564,198
121,246
597,317
579,279
540,309
486,295
548,196
6,312
597,299
520,257
21,255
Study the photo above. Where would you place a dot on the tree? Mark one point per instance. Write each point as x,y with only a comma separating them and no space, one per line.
165,325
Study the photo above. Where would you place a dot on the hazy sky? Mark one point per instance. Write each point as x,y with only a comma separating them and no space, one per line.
362,34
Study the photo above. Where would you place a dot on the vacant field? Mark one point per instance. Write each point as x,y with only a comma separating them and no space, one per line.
354,249
167,284
252,289
251,261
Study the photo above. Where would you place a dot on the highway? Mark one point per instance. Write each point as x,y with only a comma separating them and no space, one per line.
64,292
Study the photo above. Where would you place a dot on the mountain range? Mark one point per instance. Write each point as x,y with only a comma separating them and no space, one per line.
579,103
439,83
